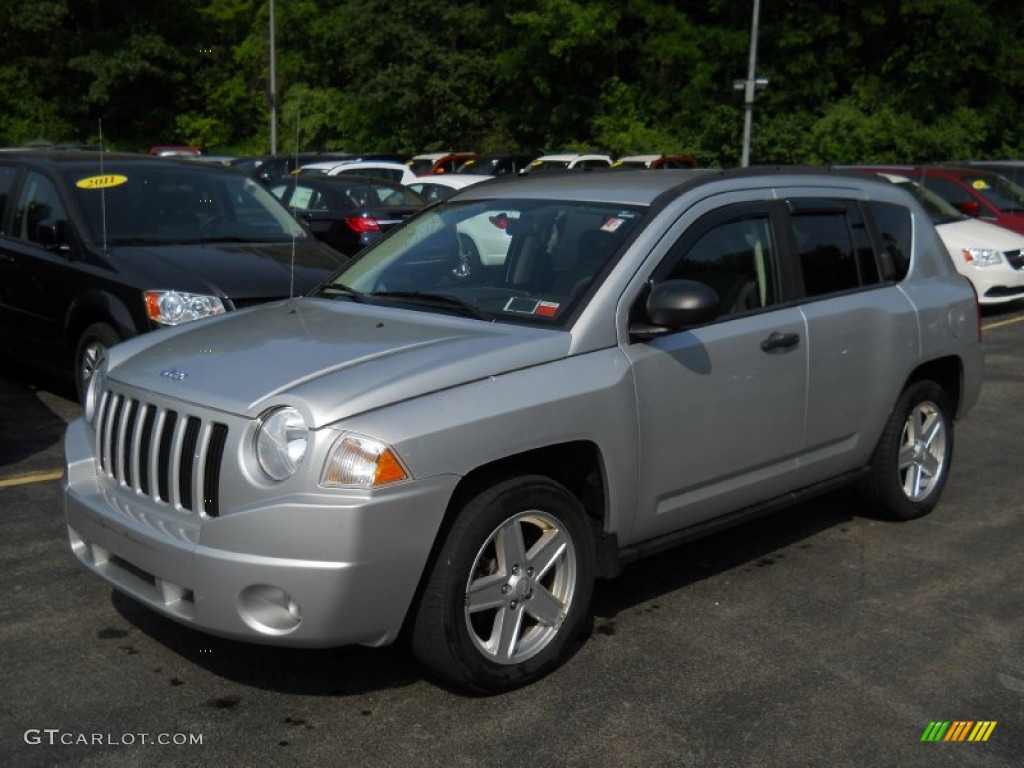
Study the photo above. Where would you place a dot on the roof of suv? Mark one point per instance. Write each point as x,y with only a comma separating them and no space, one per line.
641,187
98,159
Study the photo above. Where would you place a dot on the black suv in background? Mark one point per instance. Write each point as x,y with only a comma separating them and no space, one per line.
98,247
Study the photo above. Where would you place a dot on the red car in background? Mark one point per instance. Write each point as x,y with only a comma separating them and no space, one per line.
439,162
973,190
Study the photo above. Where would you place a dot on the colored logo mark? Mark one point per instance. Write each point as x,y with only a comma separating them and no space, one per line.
958,730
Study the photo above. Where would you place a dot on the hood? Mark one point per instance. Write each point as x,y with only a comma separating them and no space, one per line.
235,270
974,233
332,359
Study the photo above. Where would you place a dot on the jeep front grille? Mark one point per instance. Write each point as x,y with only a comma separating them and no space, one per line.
168,456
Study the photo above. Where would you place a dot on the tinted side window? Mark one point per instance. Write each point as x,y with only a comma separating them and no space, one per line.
7,174
894,228
949,191
736,257
833,247
37,203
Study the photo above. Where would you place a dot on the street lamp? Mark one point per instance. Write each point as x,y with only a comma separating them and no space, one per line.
273,86
749,86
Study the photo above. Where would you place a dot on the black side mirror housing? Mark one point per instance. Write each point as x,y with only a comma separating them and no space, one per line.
52,234
676,304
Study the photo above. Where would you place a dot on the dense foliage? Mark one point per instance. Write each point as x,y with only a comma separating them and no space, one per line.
875,80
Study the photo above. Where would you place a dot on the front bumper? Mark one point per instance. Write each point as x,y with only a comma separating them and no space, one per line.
997,284
353,559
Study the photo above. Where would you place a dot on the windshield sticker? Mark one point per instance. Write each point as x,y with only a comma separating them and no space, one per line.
612,224
102,182
522,305
979,184
547,308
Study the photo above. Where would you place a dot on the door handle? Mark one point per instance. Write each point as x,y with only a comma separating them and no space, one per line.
780,341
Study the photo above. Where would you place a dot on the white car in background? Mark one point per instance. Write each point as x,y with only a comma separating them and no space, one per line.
568,162
439,187
484,238
378,169
990,256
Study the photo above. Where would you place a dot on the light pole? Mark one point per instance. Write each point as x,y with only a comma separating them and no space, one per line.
749,86
273,86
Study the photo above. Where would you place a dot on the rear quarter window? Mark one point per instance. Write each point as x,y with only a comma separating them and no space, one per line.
895,231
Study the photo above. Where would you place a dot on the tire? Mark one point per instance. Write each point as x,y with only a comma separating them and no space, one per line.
92,347
509,589
469,258
912,459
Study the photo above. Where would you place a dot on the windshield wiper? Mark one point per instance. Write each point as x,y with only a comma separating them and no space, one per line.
339,289
439,300
136,241
214,239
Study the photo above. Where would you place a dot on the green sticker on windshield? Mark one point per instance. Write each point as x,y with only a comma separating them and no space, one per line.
102,182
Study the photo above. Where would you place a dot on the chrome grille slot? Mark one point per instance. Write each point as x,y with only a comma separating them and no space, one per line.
160,453
188,449
163,455
1015,259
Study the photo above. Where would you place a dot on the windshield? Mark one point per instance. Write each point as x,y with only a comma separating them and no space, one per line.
421,165
538,166
147,203
1001,192
938,210
523,261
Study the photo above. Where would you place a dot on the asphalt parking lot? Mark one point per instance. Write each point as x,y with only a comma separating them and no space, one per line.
816,637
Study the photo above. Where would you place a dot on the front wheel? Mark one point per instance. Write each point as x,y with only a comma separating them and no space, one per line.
509,589
913,456
91,349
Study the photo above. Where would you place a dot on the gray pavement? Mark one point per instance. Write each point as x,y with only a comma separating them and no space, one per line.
816,637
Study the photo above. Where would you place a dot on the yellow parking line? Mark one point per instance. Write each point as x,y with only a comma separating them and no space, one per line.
1001,323
35,477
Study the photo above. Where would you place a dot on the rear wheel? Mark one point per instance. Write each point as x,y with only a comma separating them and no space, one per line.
92,347
509,589
912,460
469,258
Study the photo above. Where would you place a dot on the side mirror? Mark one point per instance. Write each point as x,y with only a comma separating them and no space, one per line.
52,234
970,207
674,305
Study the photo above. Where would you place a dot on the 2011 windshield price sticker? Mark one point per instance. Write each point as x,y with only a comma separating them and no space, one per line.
102,182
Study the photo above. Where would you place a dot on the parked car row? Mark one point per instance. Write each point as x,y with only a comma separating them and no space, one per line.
979,214
98,247
269,168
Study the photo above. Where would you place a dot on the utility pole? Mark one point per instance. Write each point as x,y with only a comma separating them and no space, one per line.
749,86
273,86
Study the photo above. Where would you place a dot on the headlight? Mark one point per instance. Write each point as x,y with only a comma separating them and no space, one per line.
982,257
94,392
361,462
281,441
176,307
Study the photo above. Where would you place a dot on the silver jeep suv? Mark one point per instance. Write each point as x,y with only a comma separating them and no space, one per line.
453,448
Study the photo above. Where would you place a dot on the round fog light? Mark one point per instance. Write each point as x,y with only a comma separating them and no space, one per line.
269,610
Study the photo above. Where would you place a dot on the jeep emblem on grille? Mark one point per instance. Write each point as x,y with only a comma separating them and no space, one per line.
171,373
